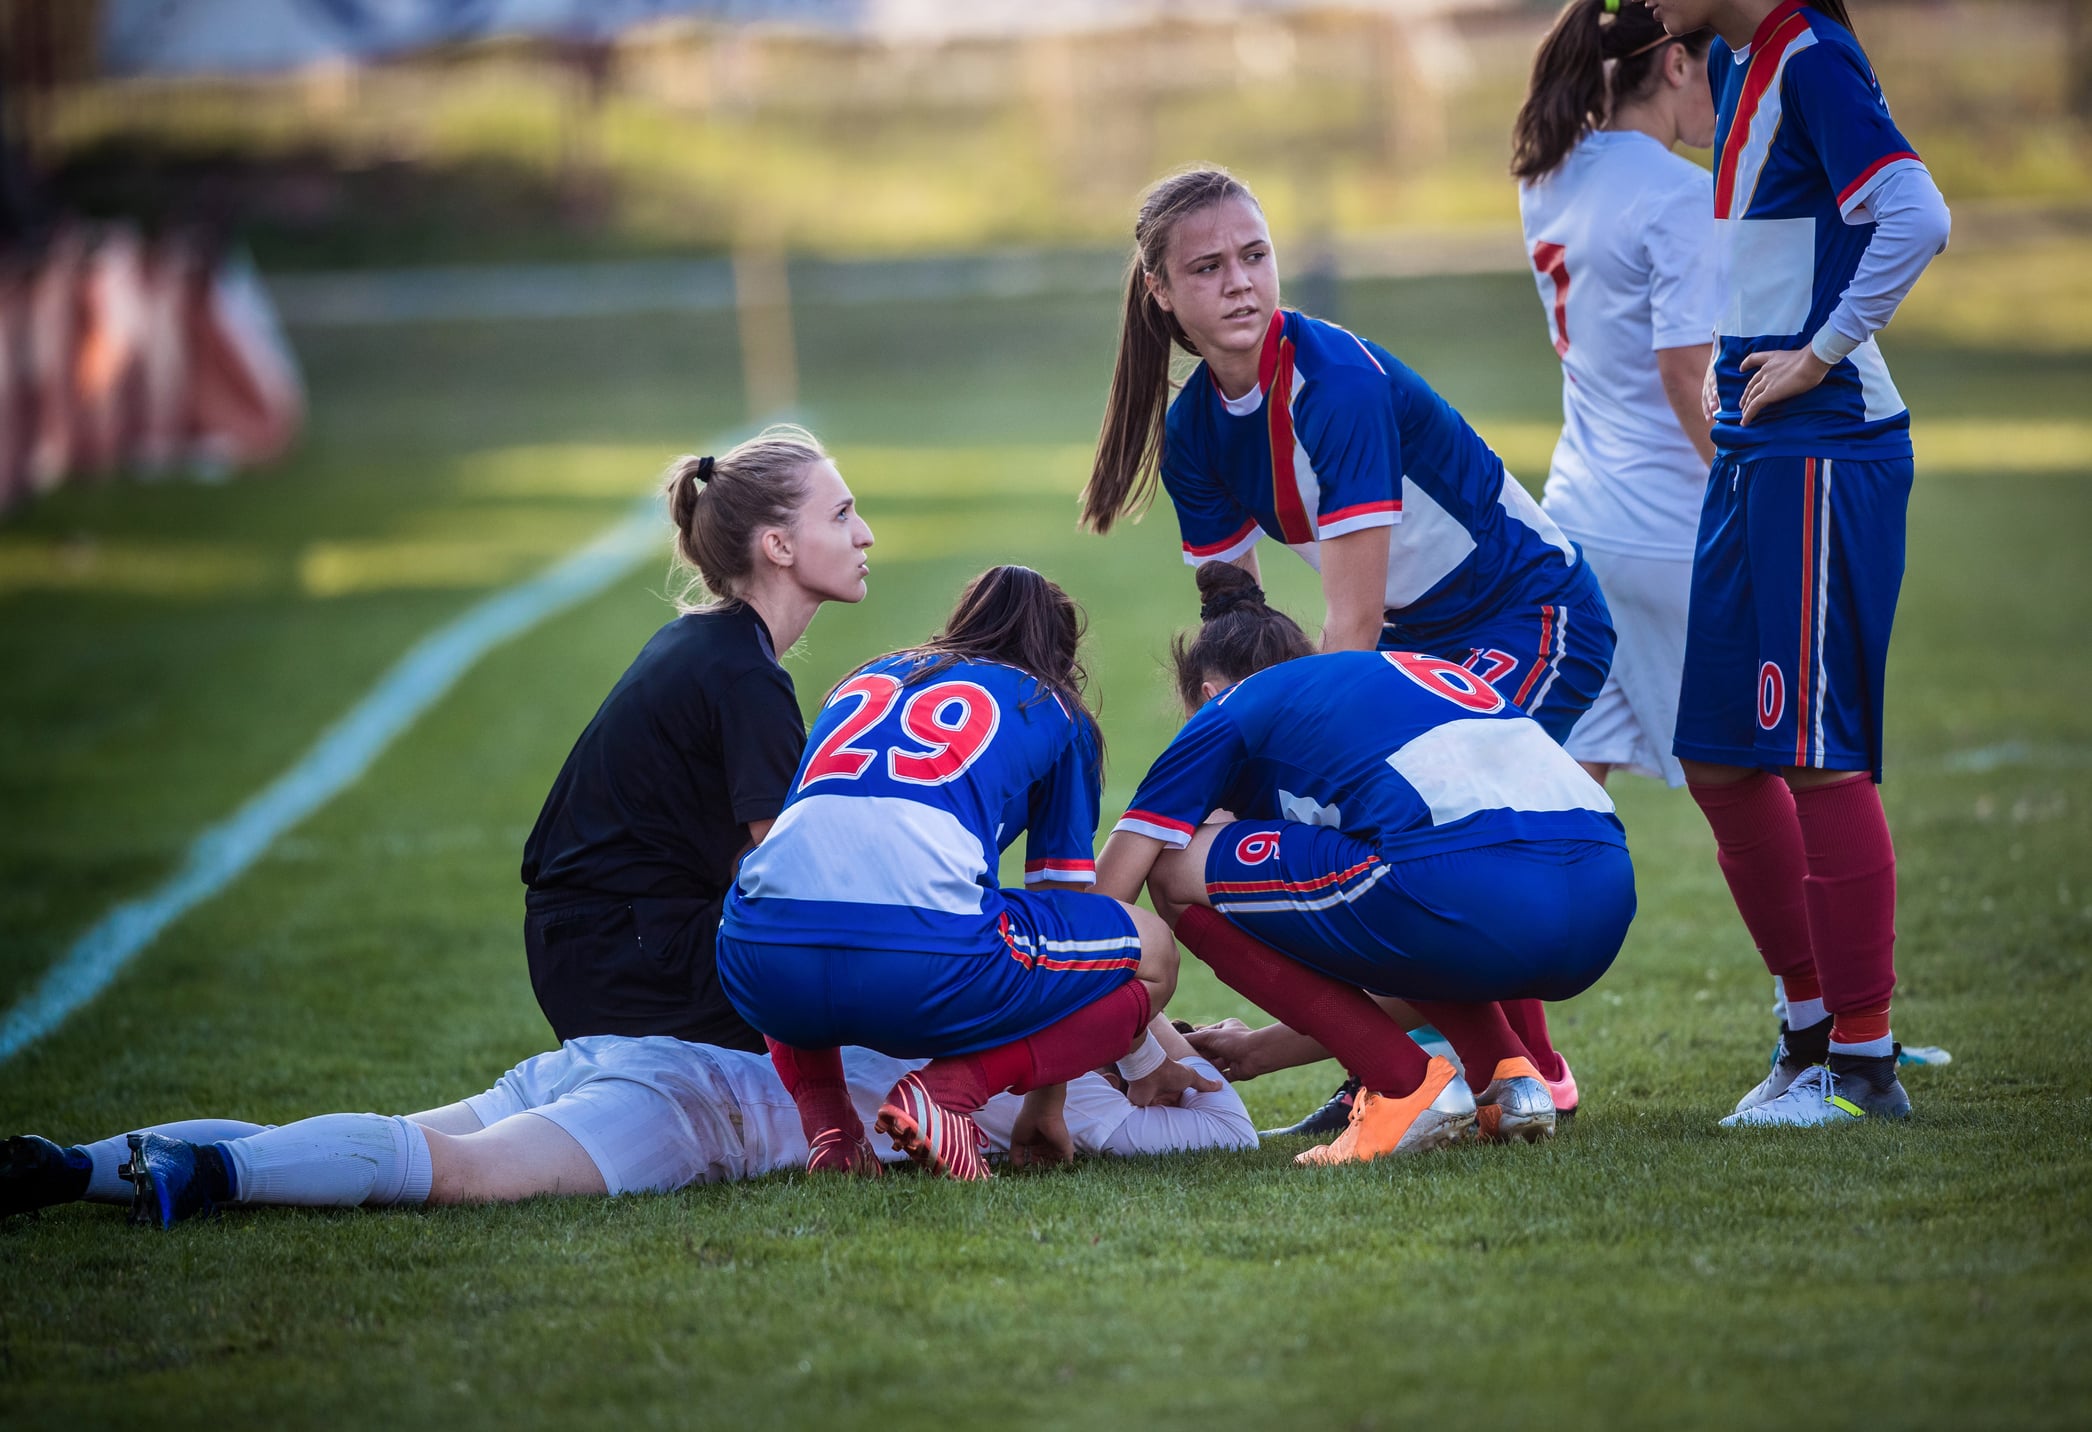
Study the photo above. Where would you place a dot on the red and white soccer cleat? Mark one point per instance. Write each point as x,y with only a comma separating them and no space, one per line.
834,1151
943,1141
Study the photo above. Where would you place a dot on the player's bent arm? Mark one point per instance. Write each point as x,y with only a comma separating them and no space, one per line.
1354,589
1123,867
1065,887
1242,1053
1683,372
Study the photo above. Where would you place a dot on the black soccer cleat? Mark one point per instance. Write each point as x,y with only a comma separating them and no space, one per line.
36,1173
173,1179
1333,1117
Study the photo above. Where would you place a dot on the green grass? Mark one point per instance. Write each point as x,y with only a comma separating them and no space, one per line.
169,649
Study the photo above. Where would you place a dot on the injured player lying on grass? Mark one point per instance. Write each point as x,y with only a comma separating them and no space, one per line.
602,1114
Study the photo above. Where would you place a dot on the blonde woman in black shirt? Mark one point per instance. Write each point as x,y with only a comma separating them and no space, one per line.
692,753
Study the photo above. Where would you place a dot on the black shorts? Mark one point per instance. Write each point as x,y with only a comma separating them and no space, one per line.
634,967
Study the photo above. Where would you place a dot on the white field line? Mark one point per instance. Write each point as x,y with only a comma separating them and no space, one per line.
342,754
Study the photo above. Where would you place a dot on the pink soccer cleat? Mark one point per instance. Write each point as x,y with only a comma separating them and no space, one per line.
943,1141
834,1151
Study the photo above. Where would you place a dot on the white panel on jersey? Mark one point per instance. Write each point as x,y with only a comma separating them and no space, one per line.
1426,547
1481,764
1877,389
1519,503
868,850
1771,269
1309,811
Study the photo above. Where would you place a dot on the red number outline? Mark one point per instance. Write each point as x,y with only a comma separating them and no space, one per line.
1772,695
836,759
1448,679
1501,664
920,719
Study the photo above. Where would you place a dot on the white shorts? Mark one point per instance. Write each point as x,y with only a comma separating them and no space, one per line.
1631,723
654,1114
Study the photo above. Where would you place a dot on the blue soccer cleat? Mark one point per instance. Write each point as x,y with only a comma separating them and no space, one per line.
36,1173
1333,1117
173,1179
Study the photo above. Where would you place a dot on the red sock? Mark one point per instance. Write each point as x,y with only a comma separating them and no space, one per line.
1101,1032
1372,1048
1479,1033
1851,897
1528,1020
1758,844
814,1079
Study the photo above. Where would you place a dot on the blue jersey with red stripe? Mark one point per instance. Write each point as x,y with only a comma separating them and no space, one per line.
1802,138
1340,436
1412,754
912,785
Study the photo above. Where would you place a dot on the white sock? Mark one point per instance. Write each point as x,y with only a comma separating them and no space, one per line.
103,1186
1866,1048
1805,1013
333,1161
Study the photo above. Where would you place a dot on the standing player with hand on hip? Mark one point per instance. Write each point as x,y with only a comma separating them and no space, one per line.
1621,238
1826,217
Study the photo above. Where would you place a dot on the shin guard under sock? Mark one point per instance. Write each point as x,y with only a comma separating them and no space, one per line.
1758,844
1479,1034
333,1161
1851,897
815,1080
1358,1033
1095,1035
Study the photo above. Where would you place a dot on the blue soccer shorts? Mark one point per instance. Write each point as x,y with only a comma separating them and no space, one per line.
1794,589
1536,919
1056,951
1549,659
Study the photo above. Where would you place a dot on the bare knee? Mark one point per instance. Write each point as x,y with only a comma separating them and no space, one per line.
1709,773
1158,957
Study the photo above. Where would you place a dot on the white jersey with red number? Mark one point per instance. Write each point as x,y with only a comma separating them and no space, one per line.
1621,239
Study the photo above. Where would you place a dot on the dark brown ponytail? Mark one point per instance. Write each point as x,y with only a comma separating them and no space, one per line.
1017,617
1129,446
1835,9
1239,633
1572,91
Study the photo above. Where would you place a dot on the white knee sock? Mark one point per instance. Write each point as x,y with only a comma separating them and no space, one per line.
333,1161
103,1186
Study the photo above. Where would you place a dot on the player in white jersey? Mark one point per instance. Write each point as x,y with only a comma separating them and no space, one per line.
603,1114
1620,234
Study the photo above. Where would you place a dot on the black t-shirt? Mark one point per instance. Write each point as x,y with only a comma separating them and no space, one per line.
700,736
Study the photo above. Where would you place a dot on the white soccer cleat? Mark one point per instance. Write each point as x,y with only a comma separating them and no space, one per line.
1796,1051
1820,1096
1516,1107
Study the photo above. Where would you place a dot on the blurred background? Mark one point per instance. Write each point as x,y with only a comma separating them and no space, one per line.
707,155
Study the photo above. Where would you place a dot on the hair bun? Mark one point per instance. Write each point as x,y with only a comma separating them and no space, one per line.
1219,604
705,465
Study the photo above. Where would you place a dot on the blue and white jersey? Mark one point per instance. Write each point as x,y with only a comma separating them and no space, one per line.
1802,139
1339,436
910,790
1411,754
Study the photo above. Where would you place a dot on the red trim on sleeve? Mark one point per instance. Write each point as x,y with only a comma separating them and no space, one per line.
1180,826
1214,548
1845,195
1072,867
1361,509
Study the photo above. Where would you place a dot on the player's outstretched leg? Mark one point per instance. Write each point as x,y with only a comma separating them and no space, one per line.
175,1179
36,1173
942,1141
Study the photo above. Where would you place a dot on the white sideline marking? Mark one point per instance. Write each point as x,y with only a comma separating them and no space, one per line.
342,754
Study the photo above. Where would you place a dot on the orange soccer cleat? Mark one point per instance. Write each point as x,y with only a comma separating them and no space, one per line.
1437,1114
943,1141
1517,1107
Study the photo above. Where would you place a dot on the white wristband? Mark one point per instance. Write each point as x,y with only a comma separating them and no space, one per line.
1143,1061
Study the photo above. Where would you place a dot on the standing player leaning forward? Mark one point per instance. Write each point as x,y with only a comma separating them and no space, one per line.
691,755
1296,429
1826,218
873,915
1621,239
1400,829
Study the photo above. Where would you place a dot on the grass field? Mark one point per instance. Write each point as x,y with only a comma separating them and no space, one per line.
168,650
